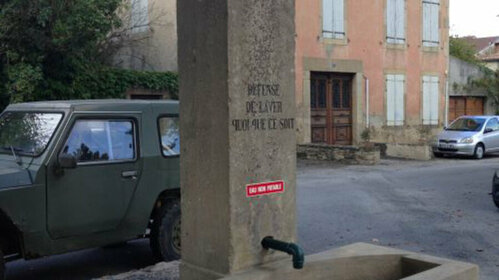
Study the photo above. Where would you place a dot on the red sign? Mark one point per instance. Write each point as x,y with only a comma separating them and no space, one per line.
264,188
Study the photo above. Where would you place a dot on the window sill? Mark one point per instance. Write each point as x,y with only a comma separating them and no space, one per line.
141,30
395,46
332,41
433,49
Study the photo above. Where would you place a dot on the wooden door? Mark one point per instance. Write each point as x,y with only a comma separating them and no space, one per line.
461,106
331,109
474,106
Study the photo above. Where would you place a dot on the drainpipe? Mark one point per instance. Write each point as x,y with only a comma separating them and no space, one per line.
367,101
446,119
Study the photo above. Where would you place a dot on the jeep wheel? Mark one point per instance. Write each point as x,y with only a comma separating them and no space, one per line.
165,232
2,266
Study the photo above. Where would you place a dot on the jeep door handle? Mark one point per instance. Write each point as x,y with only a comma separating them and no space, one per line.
129,174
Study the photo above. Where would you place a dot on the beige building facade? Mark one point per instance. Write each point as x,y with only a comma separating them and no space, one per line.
151,41
371,69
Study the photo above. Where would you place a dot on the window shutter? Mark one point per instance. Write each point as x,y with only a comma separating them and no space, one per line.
400,21
430,100
338,17
426,100
434,100
399,99
327,18
390,100
139,18
431,18
395,89
395,21
333,17
391,32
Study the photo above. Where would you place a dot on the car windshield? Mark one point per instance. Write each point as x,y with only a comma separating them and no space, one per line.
467,124
27,133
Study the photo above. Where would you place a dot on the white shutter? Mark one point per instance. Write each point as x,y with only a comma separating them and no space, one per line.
431,100
338,19
435,16
434,100
327,18
139,18
395,21
431,18
333,19
399,99
426,100
391,31
390,100
400,21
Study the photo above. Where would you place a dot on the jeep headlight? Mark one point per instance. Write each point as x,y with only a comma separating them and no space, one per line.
468,140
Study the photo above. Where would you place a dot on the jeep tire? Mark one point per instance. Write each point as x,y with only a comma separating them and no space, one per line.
165,232
2,266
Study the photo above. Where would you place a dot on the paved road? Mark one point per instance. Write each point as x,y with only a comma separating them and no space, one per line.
441,208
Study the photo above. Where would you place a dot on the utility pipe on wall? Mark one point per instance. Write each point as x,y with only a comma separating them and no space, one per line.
367,101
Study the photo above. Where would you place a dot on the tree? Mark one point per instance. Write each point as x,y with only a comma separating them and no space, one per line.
490,83
63,49
460,48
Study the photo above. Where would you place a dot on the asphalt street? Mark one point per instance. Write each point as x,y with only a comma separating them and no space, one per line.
441,208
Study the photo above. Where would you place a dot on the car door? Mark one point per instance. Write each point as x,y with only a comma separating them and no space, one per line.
94,196
491,135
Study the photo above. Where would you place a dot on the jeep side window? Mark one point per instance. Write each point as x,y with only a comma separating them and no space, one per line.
169,134
101,140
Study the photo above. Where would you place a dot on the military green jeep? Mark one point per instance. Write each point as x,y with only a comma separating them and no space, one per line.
81,174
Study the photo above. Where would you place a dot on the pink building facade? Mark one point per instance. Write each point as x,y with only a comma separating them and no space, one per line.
372,69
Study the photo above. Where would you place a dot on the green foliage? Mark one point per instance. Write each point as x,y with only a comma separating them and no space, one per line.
490,83
463,50
112,82
54,49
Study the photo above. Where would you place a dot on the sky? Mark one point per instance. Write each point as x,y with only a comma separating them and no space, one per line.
474,17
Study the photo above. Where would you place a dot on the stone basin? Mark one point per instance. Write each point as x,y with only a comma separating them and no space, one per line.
365,262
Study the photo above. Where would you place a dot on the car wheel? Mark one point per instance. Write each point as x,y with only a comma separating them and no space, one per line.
2,266
495,192
165,232
479,151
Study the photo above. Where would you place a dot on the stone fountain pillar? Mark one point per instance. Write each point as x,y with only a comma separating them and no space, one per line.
238,152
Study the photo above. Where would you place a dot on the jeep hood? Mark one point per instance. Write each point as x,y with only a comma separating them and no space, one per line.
12,175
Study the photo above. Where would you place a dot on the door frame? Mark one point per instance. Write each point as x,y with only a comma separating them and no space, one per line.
311,65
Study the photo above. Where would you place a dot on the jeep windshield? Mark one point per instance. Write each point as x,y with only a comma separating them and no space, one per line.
467,124
27,133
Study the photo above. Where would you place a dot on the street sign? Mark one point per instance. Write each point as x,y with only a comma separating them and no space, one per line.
264,188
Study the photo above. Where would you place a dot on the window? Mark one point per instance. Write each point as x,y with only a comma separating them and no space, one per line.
431,11
101,140
333,25
430,100
395,88
27,133
170,137
493,124
395,21
139,18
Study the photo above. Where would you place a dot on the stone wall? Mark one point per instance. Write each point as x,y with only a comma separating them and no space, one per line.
342,154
